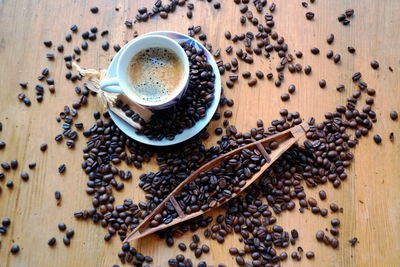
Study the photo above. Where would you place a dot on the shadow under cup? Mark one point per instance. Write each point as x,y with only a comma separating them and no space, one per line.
143,43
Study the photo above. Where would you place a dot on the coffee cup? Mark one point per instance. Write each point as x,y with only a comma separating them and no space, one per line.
152,71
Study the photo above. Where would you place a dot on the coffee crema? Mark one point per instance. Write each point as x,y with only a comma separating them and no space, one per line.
155,73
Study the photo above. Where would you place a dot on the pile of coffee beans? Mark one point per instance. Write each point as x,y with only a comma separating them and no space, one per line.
345,18
164,10
211,188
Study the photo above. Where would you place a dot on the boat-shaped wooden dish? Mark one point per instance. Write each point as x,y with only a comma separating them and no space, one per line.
282,142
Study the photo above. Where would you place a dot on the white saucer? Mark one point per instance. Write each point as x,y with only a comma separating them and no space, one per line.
187,133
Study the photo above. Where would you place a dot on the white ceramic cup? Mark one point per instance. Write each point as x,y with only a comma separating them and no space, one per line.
121,84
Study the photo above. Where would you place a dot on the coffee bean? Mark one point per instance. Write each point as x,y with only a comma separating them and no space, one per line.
233,77
84,45
334,231
285,97
307,69
330,38
163,15
336,58
322,83
294,234
394,115
340,88
24,176
94,9
52,242
233,251
198,252
189,14
323,212
14,249
320,235
349,12
310,15
193,245
335,222
334,242
353,241
291,88
377,139
6,222
252,82
128,23
92,37
74,28
5,166
195,238
14,164
61,168
374,64
62,226
246,74
105,46
239,260
314,50
356,76
312,202
322,194
66,241
50,56
10,184
259,74
57,195
43,147
117,47
351,49
70,233
47,43
169,241
68,37
295,256
218,131
334,207
104,33
341,17
310,255
391,136
205,248
2,144
182,246
227,113
371,92
50,81
329,54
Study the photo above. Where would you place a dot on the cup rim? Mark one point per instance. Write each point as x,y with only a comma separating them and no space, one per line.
124,84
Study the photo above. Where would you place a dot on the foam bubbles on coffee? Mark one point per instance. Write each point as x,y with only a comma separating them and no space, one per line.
155,73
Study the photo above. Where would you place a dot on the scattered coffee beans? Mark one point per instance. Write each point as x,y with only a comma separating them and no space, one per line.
394,115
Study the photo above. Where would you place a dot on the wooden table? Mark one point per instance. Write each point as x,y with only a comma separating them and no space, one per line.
370,196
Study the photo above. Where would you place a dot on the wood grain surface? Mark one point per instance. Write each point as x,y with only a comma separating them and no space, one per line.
370,196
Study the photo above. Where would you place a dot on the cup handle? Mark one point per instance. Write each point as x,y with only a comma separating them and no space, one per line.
111,85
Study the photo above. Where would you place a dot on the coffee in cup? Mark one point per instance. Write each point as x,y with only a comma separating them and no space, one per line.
155,73
152,71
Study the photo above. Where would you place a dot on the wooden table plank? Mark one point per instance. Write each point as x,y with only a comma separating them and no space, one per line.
369,197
